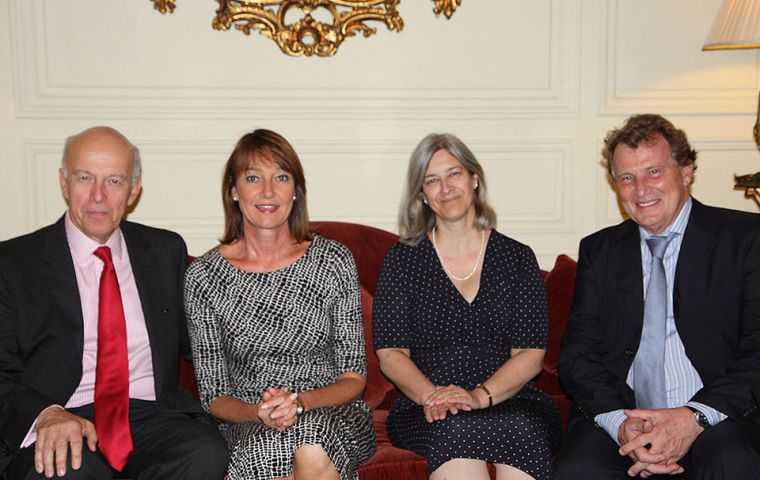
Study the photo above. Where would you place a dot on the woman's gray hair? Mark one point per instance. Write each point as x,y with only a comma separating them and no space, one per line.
415,218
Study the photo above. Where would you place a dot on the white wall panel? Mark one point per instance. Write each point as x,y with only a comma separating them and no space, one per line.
530,85
718,161
655,62
181,184
109,57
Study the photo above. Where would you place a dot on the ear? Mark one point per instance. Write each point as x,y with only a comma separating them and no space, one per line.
234,192
475,180
687,174
134,192
64,185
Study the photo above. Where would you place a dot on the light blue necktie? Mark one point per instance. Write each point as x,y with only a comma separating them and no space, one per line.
649,370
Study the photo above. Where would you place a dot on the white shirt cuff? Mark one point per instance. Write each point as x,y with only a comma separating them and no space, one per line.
610,422
713,416
31,436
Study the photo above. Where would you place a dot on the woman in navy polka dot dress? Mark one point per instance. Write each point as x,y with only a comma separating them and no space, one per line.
460,326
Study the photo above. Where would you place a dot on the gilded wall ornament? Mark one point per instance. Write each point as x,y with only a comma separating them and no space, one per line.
309,27
164,6
446,7
307,36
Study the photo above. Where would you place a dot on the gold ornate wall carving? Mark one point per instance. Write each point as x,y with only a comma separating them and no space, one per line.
322,26
164,6
446,7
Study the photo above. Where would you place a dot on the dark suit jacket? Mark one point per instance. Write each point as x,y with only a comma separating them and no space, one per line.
41,329
716,302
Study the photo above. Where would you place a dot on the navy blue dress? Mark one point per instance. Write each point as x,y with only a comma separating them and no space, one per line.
455,342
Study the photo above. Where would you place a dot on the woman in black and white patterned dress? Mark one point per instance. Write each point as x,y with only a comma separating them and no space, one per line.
460,326
275,321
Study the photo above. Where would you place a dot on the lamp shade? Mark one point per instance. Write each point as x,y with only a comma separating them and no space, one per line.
736,26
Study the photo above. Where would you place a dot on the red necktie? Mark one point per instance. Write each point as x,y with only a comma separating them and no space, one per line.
112,370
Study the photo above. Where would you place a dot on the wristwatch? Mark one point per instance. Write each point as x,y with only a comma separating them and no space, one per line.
299,406
700,417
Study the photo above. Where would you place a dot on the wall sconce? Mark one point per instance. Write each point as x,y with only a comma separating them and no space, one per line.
309,35
737,26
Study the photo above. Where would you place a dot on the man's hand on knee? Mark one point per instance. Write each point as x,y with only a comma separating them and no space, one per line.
59,431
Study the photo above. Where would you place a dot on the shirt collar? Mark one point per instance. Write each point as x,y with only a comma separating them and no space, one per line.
678,226
82,246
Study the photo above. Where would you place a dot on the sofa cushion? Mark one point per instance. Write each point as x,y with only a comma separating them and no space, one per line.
390,462
377,385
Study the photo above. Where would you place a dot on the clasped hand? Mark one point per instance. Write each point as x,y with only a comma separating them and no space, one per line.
449,400
277,408
657,439
59,431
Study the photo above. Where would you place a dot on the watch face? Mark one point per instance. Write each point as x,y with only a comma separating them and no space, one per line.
701,419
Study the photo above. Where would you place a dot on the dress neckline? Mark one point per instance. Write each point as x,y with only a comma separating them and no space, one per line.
483,269
297,261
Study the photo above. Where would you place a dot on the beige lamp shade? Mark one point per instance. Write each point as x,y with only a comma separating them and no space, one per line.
736,26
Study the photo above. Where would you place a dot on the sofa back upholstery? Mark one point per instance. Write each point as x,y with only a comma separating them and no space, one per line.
368,246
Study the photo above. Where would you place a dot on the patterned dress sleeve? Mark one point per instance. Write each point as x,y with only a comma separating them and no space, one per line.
348,327
203,327
530,315
391,308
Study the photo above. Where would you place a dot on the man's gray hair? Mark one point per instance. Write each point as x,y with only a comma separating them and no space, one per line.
136,162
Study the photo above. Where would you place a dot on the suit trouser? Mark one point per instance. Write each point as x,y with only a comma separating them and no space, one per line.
723,451
168,445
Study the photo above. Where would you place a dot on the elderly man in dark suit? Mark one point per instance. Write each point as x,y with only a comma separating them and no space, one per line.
91,330
662,350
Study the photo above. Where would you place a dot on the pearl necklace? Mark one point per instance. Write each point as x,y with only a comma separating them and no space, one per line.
474,267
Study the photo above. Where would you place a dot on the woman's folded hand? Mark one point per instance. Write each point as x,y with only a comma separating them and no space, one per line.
278,408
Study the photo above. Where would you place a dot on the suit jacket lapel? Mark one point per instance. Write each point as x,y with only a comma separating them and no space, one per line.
142,258
57,272
691,275
629,280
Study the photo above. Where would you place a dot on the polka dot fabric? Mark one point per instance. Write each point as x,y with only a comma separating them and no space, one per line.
298,327
452,341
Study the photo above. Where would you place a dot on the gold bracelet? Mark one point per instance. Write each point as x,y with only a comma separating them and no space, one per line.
488,392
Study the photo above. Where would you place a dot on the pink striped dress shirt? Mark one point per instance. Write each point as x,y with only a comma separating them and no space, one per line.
88,268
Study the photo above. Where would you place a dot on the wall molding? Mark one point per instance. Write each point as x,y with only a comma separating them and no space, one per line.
38,97
44,203
617,100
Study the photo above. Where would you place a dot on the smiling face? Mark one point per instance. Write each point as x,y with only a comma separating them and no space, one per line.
449,188
265,195
652,186
97,182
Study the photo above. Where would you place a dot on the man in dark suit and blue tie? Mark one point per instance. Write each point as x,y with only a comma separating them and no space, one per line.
662,349
91,330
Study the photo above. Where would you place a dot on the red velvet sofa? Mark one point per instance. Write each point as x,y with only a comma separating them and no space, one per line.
368,246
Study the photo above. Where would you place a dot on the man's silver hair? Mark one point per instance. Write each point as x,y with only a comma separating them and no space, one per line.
136,162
